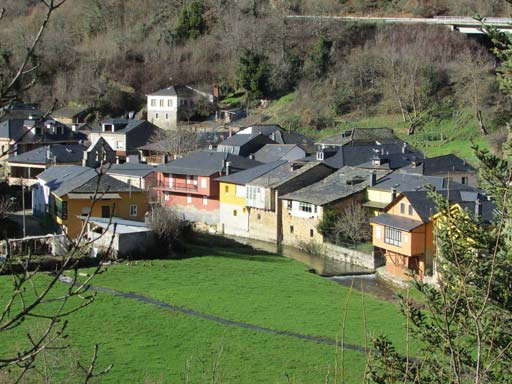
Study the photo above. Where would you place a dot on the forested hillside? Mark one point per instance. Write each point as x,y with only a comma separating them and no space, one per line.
110,53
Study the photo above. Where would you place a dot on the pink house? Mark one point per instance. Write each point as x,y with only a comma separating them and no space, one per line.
188,184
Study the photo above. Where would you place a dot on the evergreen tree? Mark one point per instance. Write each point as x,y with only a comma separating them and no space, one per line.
254,74
191,23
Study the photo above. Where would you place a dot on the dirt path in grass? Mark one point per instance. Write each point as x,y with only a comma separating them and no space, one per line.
217,319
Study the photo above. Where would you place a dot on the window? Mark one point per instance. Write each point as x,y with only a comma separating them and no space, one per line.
189,199
244,210
169,103
311,233
166,196
156,115
203,183
393,236
61,209
259,216
289,204
291,228
305,207
464,180
205,200
161,102
402,208
235,212
153,102
120,144
133,210
166,116
411,211
226,189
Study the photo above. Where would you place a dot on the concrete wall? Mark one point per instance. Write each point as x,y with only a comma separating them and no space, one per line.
234,220
352,256
165,116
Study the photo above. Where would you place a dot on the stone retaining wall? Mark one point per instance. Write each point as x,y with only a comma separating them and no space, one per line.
370,261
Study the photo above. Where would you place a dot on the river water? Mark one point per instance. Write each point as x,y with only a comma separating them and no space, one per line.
337,271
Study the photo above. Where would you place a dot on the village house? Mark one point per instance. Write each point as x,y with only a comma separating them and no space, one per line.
70,115
26,166
234,215
20,111
97,196
99,153
305,208
263,193
392,185
49,180
405,232
189,184
359,136
168,106
125,136
448,166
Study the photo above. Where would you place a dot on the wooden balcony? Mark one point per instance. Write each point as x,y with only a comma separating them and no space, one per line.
177,186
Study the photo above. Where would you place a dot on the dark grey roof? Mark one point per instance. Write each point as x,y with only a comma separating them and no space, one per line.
206,163
70,183
402,182
102,184
426,207
273,152
131,169
358,135
284,173
127,125
393,156
12,129
439,165
244,177
60,153
61,172
395,221
244,145
281,136
157,146
174,90
341,184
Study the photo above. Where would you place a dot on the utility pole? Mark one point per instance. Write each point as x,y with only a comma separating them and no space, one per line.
23,206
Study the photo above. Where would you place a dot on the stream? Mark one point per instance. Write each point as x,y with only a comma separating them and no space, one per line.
337,271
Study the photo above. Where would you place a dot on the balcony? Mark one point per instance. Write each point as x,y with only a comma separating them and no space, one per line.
177,186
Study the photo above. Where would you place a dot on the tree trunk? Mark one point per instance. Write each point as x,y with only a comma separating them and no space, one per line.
481,124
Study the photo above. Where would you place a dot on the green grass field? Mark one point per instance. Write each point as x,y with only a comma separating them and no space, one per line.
146,342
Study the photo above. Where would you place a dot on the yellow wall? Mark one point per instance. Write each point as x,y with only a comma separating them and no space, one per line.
73,225
379,196
228,195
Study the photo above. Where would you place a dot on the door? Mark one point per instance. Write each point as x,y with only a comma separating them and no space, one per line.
105,211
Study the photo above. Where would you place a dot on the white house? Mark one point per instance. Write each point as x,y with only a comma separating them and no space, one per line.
168,106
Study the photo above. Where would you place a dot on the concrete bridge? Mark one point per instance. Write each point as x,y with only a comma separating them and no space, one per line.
467,25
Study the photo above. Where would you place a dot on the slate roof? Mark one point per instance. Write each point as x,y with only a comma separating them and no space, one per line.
129,125
174,90
341,184
104,183
281,136
440,165
206,163
425,207
61,172
395,221
244,177
244,145
273,152
19,130
282,174
131,169
12,129
60,153
391,155
402,182
70,183
355,135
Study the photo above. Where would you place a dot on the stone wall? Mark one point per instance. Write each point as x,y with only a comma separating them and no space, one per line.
370,261
262,225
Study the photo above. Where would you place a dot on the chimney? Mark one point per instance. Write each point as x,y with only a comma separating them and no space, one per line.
74,127
382,151
320,155
393,194
251,156
373,179
216,91
117,159
404,147
48,153
228,166
478,207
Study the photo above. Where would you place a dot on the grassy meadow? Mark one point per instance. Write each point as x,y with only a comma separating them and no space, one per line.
154,345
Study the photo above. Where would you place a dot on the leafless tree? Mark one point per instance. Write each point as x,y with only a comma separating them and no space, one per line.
177,142
353,224
6,205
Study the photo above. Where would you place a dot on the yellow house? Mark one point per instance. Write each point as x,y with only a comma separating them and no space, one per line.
96,196
234,214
